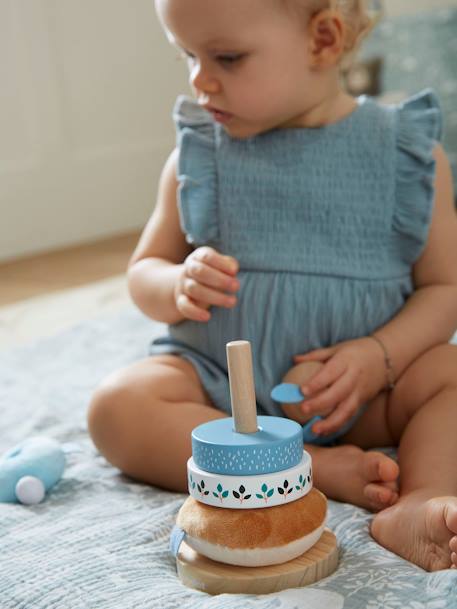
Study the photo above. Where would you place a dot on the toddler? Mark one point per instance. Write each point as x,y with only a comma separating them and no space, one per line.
322,229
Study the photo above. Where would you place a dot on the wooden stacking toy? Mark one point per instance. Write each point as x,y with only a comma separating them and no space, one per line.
253,522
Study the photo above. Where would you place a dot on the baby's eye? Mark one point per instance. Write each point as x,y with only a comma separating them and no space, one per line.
230,59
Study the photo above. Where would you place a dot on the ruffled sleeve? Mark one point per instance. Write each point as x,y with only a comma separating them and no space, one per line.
419,128
196,172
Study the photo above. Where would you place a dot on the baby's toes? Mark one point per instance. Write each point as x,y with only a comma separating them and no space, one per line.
453,547
388,469
379,468
380,496
393,486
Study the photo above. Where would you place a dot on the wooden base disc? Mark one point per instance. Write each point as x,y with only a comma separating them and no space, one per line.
197,571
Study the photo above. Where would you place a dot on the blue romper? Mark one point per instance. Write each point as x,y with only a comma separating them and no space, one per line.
325,223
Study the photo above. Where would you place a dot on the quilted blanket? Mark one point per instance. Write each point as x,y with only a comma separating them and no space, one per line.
100,540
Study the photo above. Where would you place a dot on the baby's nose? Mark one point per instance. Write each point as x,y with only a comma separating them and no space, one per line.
202,80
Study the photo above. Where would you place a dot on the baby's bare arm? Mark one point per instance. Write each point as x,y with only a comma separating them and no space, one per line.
168,279
155,264
429,318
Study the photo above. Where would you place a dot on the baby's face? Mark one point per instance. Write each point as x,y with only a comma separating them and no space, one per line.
248,61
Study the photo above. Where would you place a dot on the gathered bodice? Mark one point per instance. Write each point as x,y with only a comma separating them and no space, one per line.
326,225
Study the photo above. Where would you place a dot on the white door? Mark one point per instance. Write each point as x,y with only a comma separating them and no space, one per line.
86,92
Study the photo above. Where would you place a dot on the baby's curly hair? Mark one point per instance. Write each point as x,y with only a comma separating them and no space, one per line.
358,19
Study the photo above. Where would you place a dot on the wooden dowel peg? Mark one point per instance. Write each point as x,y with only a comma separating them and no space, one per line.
242,391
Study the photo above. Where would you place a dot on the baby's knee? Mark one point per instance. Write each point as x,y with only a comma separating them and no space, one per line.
436,369
450,359
431,374
106,410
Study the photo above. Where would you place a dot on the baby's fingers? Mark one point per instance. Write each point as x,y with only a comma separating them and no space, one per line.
210,276
338,417
326,401
319,355
198,292
332,371
209,256
191,310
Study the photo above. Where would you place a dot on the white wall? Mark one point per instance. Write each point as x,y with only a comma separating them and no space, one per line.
86,91
401,7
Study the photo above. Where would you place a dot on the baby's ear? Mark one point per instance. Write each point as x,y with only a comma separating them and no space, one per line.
326,31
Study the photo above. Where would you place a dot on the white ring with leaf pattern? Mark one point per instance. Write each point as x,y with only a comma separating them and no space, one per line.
248,492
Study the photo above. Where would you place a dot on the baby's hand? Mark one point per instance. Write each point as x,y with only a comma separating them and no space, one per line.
206,280
352,374
300,375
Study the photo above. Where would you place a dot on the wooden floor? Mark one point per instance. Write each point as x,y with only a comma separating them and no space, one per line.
72,267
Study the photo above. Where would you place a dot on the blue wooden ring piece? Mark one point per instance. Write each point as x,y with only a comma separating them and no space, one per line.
218,448
287,393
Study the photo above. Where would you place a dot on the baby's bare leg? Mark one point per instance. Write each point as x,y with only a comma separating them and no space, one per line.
346,473
141,419
421,417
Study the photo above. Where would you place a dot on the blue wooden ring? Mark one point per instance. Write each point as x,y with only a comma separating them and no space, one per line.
276,446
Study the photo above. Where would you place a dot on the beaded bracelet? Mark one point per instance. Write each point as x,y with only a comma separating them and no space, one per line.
390,373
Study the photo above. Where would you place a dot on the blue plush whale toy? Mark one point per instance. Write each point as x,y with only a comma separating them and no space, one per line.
29,470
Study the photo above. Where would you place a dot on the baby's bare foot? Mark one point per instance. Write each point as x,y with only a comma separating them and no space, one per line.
420,529
349,474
